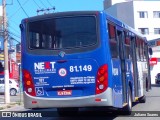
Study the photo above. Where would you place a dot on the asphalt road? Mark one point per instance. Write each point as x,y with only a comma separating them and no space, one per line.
141,111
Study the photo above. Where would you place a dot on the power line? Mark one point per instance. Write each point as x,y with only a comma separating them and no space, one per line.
17,10
14,34
14,13
22,8
14,22
14,39
36,4
43,4
49,3
12,28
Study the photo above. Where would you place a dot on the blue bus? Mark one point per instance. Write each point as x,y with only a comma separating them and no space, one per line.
84,59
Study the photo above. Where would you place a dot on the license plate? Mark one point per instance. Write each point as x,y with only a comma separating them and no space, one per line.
64,92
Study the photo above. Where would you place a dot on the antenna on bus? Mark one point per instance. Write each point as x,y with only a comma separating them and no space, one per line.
46,11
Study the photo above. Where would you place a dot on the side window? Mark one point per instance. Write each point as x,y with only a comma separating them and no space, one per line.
112,41
138,48
145,52
127,44
141,50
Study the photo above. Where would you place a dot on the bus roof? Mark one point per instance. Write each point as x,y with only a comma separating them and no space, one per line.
68,13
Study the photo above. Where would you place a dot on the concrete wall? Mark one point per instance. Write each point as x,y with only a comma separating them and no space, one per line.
125,13
112,11
149,22
128,12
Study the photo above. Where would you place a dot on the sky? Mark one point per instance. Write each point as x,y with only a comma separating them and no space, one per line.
20,9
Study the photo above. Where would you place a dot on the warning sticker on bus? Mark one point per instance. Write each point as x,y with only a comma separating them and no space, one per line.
64,92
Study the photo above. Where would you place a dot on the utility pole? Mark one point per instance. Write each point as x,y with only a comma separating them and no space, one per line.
6,72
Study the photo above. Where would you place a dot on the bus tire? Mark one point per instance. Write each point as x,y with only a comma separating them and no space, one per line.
128,108
67,111
142,99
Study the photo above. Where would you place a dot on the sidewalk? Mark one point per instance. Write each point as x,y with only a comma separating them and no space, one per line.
12,106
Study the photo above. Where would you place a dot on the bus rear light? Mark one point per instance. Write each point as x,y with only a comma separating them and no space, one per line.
100,100
34,102
29,90
28,83
27,75
101,87
102,79
102,69
97,99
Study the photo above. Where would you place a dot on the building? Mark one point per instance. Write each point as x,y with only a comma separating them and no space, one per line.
18,53
109,3
144,16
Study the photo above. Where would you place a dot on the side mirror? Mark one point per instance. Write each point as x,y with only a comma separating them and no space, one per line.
150,51
21,27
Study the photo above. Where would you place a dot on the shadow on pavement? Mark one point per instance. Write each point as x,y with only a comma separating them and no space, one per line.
89,113
155,85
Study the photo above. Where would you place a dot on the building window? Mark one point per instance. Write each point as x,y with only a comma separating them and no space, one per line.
156,30
144,31
156,14
143,14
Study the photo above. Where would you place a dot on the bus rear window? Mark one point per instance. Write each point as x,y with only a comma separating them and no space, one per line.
65,32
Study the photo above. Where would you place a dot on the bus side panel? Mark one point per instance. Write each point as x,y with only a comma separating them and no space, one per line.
142,76
114,75
23,49
117,83
140,79
129,77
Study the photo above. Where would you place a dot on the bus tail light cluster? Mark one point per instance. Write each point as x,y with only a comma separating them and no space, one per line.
28,83
102,79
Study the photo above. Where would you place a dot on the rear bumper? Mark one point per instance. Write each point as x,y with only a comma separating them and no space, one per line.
104,99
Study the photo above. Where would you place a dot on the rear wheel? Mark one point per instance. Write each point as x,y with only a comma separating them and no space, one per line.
67,111
128,108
